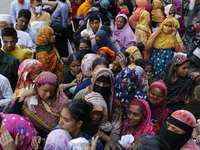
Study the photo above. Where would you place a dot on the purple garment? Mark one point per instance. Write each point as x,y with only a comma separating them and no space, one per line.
125,36
105,42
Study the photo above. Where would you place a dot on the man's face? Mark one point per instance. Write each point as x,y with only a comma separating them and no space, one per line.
22,23
9,43
35,4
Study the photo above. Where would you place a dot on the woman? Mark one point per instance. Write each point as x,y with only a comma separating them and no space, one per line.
16,126
147,65
102,40
83,10
58,140
42,104
157,14
76,113
106,53
194,103
129,85
86,68
27,72
180,85
178,130
156,94
134,53
163,43
142,30
99,114
138,119
170,9
123,33
47,54
134,17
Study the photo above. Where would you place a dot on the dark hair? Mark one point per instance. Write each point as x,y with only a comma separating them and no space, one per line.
74,57
126,55
107,29
100,61
94,17
85,40
24,13
31,1
141,46
79,109
9,32
151,142
143,62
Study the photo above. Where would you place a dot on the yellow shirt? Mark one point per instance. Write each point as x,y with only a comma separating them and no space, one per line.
44,16
21,54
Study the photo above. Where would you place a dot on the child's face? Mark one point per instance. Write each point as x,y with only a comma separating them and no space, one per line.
120,2
75,67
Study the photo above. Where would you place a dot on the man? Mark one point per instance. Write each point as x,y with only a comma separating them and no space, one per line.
23,19
24,39
6,94
9,67
9,38
38,16
16,6
60,15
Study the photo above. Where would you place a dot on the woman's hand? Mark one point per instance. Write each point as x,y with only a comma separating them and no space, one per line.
158,31
94,144
7,142
26,94
122,60
174,31
36,140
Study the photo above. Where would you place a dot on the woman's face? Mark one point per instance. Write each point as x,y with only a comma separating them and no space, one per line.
174,128
67,122
102,84
116,68
148,70
172,10
46,91
83,46
94,25
120,22
120,2
135,116
182,70
52,38
157,94
104,55
95,117
75,67
97,38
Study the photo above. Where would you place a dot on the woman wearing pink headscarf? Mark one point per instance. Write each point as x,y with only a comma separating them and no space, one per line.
16,126
178,130
133,18
122,32
138,122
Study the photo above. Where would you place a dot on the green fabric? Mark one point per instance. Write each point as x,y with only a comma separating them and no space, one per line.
47,48
114,137
79,95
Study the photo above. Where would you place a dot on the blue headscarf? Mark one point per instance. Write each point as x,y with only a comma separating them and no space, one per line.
104,2
105,42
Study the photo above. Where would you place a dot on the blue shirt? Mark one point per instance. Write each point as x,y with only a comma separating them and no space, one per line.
60,14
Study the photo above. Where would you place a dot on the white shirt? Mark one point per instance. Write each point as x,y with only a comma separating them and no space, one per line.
6,93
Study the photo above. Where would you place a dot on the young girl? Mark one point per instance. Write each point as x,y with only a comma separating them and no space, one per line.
122,4
74,62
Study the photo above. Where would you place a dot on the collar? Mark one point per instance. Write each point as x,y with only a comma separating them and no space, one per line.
35,15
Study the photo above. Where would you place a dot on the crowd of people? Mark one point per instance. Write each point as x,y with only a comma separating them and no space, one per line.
96,71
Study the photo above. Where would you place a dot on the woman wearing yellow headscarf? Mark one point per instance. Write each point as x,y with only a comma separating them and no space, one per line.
162,45
47,53
157,14
143,31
